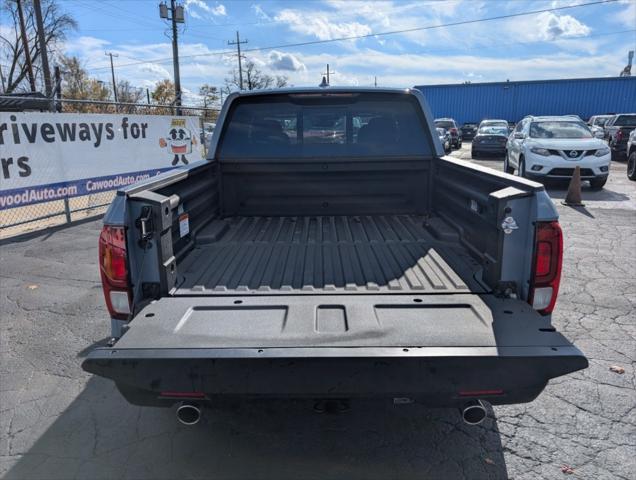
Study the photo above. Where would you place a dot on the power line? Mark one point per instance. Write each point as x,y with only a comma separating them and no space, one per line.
369,35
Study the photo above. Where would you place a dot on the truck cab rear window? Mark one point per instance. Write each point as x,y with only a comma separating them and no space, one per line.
364,125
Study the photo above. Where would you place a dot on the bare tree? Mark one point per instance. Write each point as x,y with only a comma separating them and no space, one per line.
12,55
209,99
164,92
253,79
126,93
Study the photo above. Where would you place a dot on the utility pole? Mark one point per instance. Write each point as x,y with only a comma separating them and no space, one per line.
238,48
58,88
25,45
175,16
375,81
112,72
43,53
148,95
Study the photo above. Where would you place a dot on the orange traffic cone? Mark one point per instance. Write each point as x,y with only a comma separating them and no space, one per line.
573,197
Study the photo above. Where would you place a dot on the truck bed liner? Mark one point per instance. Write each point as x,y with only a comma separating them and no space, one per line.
351,254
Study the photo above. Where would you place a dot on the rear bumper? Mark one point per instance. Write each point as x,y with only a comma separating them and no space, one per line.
489,148
436,376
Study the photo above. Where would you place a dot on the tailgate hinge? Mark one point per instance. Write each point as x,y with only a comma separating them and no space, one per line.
145,225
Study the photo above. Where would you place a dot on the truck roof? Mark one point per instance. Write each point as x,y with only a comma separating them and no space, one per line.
315,90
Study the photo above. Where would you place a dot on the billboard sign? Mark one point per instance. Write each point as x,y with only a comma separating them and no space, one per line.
50,156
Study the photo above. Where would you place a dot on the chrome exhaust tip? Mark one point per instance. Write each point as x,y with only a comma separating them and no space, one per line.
474,412
188,414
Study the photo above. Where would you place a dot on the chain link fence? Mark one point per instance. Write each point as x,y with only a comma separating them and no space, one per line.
25,219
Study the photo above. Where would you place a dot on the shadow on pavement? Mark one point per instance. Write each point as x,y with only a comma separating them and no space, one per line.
100,436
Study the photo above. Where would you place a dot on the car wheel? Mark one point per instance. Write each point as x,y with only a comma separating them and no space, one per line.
473,154
631,166
459,143
506,166
598,183
522,167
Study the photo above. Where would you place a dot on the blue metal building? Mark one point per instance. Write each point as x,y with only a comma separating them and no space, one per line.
512,101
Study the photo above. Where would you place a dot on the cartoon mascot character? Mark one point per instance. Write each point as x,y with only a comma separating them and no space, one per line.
179,140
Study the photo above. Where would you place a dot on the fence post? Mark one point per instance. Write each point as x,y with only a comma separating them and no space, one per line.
67,210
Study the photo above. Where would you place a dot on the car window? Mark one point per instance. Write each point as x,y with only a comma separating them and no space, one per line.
626,120
305,126
519,126
559,129
445,124
493,130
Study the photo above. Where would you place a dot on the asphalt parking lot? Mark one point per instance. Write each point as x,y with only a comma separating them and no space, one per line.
58,422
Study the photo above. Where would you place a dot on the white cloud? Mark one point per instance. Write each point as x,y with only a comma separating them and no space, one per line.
320,25
155,70
259,12
552,26
628,16
285,61
217,10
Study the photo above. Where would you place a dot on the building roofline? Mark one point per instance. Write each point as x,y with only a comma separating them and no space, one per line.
523,82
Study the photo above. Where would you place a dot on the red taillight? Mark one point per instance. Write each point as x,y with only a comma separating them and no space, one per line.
113,268
453,130
546,269
619,135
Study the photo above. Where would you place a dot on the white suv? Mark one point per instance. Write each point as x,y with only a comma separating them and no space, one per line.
550,147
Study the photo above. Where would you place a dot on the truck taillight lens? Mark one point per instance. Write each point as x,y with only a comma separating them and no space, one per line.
546,269
619,135
113,268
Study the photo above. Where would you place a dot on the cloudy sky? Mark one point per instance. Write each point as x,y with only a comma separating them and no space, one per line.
585,41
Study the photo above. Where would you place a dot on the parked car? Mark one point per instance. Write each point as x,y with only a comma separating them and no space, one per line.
445,138
491,139
450,125
468,131
493,122
372,266
543,148
596,123
617,130
631,155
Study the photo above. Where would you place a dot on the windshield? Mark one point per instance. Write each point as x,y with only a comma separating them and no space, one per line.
600,121
304,126
559,129
493,130
626,121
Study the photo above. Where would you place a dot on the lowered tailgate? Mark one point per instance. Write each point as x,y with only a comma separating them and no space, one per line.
432,347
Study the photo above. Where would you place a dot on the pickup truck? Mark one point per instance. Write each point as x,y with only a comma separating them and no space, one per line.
330,264
617,130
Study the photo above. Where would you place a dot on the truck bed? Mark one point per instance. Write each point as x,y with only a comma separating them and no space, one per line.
327,254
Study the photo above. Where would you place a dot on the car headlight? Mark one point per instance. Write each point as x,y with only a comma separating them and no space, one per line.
601,152
540,151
